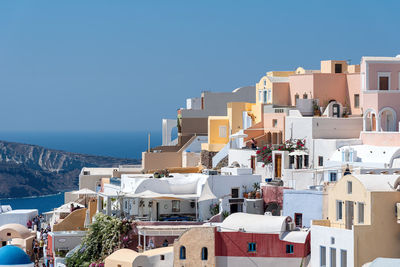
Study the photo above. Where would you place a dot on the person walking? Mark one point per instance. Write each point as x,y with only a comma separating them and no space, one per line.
41,245
36,250
29,224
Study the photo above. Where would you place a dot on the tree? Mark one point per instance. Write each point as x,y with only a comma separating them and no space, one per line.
104,236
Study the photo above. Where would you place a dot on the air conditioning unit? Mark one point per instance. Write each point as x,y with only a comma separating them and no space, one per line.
291,226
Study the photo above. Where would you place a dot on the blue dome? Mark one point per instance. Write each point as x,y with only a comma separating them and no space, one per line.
12,255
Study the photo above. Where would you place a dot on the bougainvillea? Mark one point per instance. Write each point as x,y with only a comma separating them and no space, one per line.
104,236
264,154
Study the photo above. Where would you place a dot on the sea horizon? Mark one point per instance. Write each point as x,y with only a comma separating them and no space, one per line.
121,144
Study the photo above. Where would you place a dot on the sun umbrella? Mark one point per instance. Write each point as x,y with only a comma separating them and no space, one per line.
84,191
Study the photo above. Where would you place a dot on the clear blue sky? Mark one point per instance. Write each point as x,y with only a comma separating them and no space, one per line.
124,65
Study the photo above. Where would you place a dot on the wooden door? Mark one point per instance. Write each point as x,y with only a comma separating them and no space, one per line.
278,165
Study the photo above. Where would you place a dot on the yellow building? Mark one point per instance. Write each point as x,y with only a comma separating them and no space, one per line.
221,127
362,222
265,93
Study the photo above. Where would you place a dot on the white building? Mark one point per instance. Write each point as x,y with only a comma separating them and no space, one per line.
175,197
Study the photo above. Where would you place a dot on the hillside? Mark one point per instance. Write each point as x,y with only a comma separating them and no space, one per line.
28,170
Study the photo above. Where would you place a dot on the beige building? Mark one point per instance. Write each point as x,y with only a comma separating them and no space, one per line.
160,257
195,248
362,222
17,235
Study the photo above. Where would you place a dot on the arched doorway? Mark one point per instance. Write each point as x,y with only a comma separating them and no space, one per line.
369,120
387,120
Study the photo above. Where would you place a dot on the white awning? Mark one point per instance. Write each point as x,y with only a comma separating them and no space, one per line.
154,195
84,191
206,194
238,135
164,230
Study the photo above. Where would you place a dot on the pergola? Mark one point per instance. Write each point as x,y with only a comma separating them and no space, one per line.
161,230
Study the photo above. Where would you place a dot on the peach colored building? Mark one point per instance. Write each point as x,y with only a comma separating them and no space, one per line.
278,92
336,81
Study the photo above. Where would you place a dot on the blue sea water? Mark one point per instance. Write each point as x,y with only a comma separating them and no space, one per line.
114,144
42,203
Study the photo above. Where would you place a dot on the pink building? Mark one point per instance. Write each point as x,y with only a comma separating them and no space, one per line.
380,98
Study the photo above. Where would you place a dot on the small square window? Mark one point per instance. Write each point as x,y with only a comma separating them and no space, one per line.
360,212
332,240
176,206
320,161
252,247
356,100
349,187
222,131
162,257
338,68
339,210
332,177
274,123
235,192
289,249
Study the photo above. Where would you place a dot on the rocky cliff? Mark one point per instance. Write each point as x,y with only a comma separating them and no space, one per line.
28,170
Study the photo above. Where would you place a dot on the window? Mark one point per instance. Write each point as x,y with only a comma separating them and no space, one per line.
322,256
338,68
291,159
182,253
305,96
332,177
356,100
222,131
289,249
274,123
119,265
343,258
306,161
269,96
320,161
162,257
332,240
176,206
126,205
360,212
251,247
260,96
296,96
383,83
204,254
333,257
265,96
349,187
235,192
339,210
298,219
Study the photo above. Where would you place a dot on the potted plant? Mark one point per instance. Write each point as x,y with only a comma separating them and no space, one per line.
317,112
245,194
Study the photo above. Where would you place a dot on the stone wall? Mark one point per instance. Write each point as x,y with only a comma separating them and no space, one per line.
194,240
206,158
